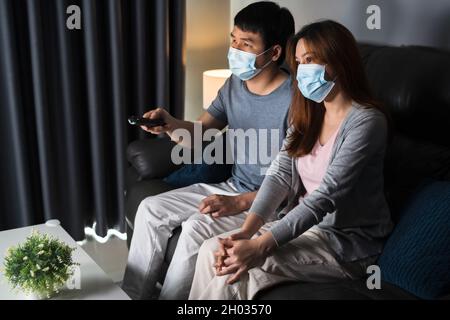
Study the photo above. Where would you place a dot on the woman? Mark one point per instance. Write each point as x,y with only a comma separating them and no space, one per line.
331,172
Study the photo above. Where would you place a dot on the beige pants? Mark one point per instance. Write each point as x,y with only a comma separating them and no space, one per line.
156,218
306,258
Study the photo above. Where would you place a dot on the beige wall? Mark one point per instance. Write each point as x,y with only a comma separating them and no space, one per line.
207,41
403,22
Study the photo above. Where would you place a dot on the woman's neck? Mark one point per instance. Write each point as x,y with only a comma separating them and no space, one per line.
337,106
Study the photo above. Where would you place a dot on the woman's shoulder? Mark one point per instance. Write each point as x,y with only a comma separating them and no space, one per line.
367,119
361,112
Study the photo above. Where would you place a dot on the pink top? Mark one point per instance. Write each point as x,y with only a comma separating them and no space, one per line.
313,166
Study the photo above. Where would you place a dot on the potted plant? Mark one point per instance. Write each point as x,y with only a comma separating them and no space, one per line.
40,266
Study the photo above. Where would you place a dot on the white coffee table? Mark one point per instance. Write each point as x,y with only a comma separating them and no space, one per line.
94,283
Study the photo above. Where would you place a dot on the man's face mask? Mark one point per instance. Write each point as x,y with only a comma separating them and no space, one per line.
242,63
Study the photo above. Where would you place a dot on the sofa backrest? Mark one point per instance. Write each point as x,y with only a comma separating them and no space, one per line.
413,83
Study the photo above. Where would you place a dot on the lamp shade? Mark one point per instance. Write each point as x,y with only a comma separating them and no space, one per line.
213,80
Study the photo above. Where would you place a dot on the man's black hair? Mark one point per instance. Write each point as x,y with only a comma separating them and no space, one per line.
274,24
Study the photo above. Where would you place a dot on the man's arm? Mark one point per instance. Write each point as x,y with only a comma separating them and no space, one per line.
206,121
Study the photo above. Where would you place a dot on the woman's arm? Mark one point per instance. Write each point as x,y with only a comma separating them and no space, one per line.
276,184
273,191
365,139
251,225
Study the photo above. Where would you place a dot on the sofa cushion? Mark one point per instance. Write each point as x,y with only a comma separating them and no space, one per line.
417,254
408,163
340,290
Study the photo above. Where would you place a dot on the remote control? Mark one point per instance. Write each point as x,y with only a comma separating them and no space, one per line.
149,123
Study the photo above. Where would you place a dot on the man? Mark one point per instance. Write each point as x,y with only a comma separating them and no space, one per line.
256,97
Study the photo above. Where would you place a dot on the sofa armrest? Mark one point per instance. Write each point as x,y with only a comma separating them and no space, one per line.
151,157
131,177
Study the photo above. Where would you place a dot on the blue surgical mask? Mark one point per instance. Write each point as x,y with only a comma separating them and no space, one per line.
242,63
312,83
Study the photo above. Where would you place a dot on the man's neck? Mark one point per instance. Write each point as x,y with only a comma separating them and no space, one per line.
269,79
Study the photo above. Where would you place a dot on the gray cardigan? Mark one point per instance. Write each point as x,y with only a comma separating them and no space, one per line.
349,205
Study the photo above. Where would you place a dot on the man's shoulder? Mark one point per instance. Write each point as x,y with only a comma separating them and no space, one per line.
232,83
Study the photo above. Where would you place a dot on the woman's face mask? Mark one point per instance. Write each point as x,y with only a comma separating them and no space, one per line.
242,63
312,83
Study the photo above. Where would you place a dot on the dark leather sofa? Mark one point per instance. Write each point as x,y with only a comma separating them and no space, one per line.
414,84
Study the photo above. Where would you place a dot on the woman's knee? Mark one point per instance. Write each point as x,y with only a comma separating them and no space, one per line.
207,248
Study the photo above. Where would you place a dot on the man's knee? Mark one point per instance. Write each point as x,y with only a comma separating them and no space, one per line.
196,229
148,209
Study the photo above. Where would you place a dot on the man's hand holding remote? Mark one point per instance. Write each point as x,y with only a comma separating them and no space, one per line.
160,113
205,121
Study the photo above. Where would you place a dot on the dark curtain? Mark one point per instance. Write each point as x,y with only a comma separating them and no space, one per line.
65,96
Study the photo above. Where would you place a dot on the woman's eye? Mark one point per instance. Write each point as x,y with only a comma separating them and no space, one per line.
308,60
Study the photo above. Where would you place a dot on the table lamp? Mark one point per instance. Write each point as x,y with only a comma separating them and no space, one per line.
213,80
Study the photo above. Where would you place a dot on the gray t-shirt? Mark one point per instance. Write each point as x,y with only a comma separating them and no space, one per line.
256,128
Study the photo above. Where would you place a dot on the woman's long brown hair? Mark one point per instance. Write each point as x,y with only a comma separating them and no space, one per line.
335,46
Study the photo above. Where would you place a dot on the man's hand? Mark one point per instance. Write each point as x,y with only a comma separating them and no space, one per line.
205,121
222,206
160,113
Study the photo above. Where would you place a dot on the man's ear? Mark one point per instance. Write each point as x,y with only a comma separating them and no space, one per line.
277,51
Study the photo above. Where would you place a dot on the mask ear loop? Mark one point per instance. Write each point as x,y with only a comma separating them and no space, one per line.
264,51
268,62
325,68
